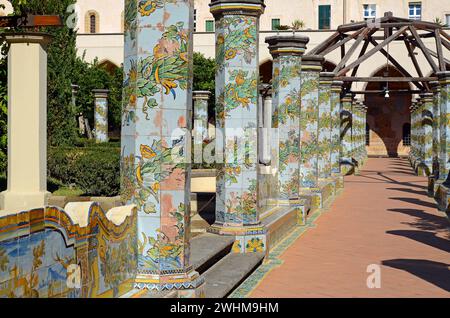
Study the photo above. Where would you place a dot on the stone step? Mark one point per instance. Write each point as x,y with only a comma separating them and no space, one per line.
207,249
222,278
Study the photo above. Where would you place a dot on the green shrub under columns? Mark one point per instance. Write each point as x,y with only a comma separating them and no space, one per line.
93,169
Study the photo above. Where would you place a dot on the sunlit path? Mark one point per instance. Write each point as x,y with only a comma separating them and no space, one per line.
383,217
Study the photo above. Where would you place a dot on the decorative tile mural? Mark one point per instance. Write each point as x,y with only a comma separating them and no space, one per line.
427,126
287,54
324,135
44,253
444,151
237,76
309,122
156,148
101,115
346,133
436,127
336,126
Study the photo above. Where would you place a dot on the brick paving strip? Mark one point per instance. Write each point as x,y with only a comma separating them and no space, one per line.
383,217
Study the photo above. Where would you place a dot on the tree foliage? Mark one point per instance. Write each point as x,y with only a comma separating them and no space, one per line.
205,77
61,123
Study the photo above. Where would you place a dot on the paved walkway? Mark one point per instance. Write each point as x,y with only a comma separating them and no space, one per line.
383,217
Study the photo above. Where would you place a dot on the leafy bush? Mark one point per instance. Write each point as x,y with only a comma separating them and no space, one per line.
94,170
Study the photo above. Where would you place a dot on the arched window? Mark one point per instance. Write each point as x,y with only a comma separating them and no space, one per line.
406,134
367,135
92,22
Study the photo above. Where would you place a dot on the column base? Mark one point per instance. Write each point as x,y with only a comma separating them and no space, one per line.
338,180
433,185
249,239
423,170
187,284
320,195
442,197
348,167
23,201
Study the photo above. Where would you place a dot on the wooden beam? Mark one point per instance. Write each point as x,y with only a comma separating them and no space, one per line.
424,51
372,52
444,34
439,50
402,70
400,91
385,79
331,40
31,21
415,62
432,53
341,42
351,51
363,51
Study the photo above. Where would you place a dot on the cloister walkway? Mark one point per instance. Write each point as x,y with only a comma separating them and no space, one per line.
383,217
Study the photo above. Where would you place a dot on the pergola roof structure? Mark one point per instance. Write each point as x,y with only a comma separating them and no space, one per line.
367,33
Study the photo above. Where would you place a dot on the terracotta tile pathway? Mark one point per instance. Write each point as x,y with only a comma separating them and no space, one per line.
383,217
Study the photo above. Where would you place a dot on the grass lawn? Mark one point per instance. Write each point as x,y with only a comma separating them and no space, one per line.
63,191
52,186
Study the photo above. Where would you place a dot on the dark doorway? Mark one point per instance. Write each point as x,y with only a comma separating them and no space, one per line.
386,116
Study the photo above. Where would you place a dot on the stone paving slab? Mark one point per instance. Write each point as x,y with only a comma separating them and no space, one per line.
383,217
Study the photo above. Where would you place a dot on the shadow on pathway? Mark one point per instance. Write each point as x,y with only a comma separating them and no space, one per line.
435,273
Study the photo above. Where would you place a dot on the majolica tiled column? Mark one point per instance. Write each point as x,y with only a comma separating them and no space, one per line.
427,126
346,134
155,167
444,125
355,130
414,153
287,54
336,89
237,76
325,125
101,114
365,132
201,99
436,134
420,136
309,123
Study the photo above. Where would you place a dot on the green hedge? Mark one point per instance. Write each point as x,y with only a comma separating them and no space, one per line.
94,169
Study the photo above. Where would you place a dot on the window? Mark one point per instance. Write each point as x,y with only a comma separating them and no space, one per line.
415,11
324,17
370,11
275,24
195,20
447,20
92,23
209,27
407,134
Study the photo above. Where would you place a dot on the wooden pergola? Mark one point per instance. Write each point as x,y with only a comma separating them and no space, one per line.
367,33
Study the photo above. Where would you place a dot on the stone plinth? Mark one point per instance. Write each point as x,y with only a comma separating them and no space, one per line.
27,122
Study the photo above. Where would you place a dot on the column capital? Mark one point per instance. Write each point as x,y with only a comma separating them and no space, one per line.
336,86
41,38
99,93
427,97
347,98
220,8
326,78
444,77
312,63
435,86
205,95
287,45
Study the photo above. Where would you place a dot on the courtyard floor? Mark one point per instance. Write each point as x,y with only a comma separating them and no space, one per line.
383,217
